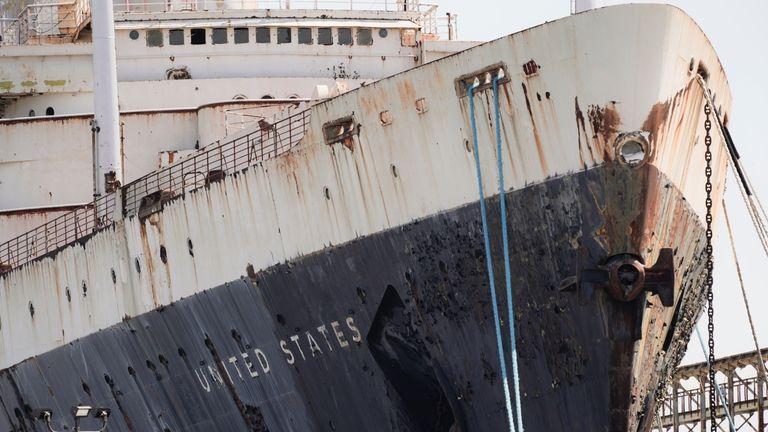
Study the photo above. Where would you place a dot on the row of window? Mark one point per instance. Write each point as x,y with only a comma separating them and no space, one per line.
264,35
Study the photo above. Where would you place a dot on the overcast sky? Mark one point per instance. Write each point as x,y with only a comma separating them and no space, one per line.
737,31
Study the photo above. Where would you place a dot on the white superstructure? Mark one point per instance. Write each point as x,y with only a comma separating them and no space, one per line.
189,73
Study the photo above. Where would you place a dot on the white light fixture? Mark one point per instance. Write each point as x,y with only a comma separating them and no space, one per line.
78,412
81,411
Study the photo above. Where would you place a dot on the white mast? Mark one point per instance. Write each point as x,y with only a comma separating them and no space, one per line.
583,5
108,158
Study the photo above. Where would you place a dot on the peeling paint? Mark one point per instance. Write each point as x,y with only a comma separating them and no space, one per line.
55,83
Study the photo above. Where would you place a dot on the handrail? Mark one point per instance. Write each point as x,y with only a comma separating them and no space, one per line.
144,6
44,19
206,166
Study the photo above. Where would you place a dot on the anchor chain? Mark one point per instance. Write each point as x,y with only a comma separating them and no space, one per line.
709,266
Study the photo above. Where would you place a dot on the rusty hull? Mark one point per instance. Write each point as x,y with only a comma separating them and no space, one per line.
399,209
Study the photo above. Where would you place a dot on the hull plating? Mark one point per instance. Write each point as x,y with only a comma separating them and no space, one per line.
394,331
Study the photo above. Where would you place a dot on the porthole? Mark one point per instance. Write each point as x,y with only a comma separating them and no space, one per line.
632,149
133,34
383,33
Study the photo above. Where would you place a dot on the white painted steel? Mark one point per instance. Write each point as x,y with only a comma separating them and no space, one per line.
278,211
174,94
47,161
109,161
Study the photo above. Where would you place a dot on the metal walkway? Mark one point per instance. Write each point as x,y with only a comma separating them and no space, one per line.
686,409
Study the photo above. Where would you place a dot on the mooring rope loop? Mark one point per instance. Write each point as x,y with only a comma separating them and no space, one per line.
488,257
505,243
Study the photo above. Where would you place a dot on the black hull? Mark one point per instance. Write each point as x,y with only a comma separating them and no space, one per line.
391,332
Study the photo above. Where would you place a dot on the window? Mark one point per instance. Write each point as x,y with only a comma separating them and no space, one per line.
283,35
408,37
324,36
133,34
241,35
49,111
197,36
262,35
364,37
154,38
345,36
176,37
219,36
305,35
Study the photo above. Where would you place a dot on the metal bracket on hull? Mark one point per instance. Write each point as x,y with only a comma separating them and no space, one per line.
624,276
482,76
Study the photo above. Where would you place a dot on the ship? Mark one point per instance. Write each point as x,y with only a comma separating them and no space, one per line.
464,238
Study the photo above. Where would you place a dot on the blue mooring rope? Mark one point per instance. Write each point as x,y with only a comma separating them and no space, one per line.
505,241
488,258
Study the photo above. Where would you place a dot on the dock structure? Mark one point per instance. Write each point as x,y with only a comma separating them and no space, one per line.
744,390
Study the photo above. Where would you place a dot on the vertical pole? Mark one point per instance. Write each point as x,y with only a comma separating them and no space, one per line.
731,395
675,407
106,114
761,383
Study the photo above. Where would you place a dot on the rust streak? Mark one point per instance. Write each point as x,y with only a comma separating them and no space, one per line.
539,148
406,92
579,127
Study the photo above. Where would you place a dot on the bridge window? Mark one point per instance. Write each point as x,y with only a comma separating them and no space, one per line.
364,37
176,37
219,36
324,36
283,35
241,35
305,35
345,36
262,35
154,38
197,36
408,37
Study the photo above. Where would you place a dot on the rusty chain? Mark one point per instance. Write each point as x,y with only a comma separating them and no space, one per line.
709,266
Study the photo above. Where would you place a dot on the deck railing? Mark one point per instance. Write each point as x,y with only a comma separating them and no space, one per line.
39,20
210,164
145,6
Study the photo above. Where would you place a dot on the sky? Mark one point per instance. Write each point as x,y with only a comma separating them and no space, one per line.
737,31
